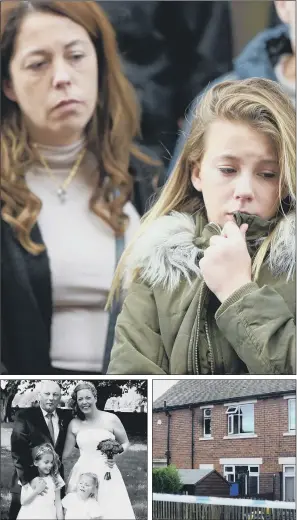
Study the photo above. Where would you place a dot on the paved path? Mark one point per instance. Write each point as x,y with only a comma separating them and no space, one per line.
5,436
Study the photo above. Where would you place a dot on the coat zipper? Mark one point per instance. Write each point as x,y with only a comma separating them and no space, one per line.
210,347
196,340
195,350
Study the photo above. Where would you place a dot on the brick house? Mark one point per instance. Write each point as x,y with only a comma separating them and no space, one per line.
243,428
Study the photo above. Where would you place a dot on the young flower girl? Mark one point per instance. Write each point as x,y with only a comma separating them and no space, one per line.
82,504
41,498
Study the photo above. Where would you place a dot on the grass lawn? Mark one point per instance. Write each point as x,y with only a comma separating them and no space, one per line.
133,465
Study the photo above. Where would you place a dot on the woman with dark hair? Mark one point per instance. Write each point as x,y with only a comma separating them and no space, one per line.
68,163
89,427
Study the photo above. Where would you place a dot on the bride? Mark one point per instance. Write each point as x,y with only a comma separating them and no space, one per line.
87,429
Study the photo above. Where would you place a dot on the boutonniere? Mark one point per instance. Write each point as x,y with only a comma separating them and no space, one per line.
61,422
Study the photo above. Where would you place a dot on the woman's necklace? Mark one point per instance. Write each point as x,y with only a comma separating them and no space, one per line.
62,188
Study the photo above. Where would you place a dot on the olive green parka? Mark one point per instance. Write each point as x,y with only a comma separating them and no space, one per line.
171,323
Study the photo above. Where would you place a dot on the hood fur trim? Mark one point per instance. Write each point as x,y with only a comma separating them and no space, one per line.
165,253
282,256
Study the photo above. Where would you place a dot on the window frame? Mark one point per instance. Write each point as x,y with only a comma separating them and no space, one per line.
206,435
159,463
237,411
290,475
291,404
253,474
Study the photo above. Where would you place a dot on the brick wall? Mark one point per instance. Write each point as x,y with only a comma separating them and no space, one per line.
159,435
270,420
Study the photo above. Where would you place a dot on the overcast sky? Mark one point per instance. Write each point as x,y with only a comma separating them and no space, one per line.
160,386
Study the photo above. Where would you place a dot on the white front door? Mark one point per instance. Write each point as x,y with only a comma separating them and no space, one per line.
289,483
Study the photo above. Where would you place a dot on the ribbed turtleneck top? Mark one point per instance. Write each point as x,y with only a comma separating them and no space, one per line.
81,250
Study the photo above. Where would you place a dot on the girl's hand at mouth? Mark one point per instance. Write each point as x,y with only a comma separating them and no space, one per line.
226,265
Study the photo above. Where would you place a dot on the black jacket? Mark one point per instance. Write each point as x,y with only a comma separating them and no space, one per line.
26,290
26,306
170,50
30,430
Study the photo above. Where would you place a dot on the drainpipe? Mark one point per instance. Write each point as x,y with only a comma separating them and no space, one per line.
274,487
281,486
168,455
193,438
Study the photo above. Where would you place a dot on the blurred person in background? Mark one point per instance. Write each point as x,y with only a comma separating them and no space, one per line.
212,269
69,171
273,16
170,51
270,55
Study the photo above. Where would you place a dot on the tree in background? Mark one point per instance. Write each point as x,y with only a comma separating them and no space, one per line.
8,391
105,389
166,480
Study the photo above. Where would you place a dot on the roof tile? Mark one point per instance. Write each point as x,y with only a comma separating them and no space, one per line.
195,391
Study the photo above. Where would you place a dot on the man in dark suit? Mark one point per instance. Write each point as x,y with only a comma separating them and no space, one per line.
32,427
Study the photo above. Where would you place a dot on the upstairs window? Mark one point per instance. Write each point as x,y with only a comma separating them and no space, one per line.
291,415
207,422
240,419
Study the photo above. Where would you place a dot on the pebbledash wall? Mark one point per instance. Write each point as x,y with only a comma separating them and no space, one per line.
272,446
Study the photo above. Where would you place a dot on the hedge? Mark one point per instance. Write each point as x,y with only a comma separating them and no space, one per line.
166,480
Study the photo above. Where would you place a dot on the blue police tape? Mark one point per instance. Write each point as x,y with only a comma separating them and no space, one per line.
190,499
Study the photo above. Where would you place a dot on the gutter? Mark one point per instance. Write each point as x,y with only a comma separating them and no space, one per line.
228,399
193,438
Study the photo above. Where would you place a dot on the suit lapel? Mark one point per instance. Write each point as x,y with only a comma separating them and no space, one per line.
60,426
41,424
62,431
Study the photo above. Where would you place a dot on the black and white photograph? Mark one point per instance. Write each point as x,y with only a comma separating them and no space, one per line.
73,449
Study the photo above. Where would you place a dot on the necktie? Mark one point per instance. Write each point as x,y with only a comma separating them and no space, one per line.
50,425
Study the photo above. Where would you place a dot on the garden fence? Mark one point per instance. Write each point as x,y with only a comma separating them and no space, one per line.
185,507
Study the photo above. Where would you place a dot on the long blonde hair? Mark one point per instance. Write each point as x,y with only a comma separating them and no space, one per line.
43,449
110,133
260,103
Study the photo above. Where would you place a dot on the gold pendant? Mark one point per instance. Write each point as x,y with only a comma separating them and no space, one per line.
61,194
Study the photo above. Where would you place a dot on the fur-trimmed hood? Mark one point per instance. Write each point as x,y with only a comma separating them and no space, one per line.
171,247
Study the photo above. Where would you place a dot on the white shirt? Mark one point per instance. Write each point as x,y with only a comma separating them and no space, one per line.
55,420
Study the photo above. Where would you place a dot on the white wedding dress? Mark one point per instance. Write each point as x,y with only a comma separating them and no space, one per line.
113,497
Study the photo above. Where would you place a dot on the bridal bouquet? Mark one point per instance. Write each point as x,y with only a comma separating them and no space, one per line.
109,447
